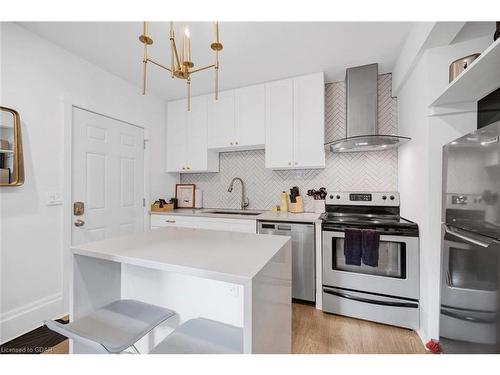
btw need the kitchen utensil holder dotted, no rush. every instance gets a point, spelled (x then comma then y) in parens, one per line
(298, 206)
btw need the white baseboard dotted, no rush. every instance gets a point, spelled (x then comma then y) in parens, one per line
(422, 334)
(21, 320)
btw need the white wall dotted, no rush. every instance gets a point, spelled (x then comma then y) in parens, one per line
(420, 163)
(36, 77)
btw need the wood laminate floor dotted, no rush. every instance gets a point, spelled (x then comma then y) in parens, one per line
(315, 332)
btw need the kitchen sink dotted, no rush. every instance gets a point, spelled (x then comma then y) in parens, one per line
(235, 212)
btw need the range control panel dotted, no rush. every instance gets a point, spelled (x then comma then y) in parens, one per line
(361, 198)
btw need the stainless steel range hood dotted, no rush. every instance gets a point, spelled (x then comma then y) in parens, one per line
(362, 114)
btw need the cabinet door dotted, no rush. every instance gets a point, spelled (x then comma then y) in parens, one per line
(309, 121)
(221, 120)
(250, 116)
(279, 124)
(162, 220)
(197, 135)
(176, 136)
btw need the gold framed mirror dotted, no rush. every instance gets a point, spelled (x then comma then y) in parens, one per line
(11, 150)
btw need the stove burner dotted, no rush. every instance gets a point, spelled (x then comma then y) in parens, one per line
(382, 218)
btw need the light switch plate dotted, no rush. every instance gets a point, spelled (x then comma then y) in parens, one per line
(54, 198)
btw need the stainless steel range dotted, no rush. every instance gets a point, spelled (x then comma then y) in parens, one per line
(385, 291)
(470, 257)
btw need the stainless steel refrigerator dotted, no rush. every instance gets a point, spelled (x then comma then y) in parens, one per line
(470, 264)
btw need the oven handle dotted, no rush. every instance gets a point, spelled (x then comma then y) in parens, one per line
(466, 318)
(459, 234)
(370, 301)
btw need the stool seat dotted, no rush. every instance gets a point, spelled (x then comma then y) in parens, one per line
(202, 336)
(116, 326)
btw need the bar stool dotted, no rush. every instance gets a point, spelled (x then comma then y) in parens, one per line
(202, 336)
(114, 327)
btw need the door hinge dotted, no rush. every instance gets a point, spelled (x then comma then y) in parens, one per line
(144, 144)
(143, 202)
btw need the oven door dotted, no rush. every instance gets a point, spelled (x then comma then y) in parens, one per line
(469, 319)
(470, 271)
(396, 274)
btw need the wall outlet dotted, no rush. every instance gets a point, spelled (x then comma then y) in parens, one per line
(233, 290)
(54, 198)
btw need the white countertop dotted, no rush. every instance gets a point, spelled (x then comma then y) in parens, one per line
(306, 217)
(226, 256)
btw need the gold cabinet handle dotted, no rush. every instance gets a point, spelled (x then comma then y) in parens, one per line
(296, 163)
(188, 168)
(289, 163)
(235, 143)
(183, 168)
(231, 143)
(169, 221)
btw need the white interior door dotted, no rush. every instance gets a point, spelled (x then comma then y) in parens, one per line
(107, 176)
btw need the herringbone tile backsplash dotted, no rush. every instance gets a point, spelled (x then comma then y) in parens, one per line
(365, 171)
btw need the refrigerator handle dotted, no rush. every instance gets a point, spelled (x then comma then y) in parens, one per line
(473, 241)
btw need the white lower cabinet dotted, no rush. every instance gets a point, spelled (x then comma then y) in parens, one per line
(203, 222)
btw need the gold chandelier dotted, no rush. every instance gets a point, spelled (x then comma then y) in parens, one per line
(181, 65)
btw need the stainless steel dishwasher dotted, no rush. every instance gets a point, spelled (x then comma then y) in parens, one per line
(303, 255)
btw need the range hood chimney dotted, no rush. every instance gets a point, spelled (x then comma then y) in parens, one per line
(362, 114)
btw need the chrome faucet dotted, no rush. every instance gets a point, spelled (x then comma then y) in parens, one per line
(244, 200)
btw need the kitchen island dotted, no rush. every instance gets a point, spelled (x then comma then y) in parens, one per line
(235, 278)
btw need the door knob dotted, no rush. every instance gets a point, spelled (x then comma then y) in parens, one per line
(79, 223)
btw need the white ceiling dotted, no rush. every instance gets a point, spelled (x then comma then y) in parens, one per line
(254, 52)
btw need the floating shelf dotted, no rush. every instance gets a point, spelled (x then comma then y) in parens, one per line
(478, 80)
(2, 151)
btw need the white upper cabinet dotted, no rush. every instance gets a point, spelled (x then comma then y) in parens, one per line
(250, 117)
(285, 117)
(279, 124)
(187, 149)
(176, 136)
(237, 120)
(221, 121)
(295, 123)
(309, 121)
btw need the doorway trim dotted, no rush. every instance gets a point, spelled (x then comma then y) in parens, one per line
(68, 103)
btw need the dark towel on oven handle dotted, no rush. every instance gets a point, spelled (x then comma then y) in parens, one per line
(353, 246)
(370, 245)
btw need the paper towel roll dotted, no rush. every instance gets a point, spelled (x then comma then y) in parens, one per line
(198, 198)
